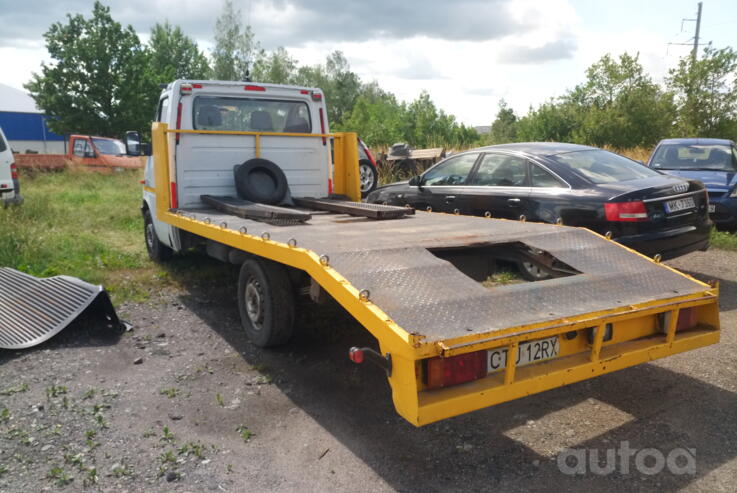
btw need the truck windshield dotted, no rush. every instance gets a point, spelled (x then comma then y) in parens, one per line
(694, 157)
(109, 146)
(600, 166)
(251, 115)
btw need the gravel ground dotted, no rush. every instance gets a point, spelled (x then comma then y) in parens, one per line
(184, 403)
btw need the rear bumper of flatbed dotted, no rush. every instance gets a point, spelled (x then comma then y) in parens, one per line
(413, 322)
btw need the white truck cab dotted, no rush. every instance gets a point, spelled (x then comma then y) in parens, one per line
(203, 164)
(9, 184)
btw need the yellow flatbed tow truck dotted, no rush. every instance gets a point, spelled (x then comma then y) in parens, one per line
(448, 344)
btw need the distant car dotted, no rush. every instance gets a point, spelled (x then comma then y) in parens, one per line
(9, 184)
(367, 168)
(712, 161)
(584, 186)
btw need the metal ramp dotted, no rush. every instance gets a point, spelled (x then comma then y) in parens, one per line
(34, 310)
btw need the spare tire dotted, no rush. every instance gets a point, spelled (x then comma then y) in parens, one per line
(260, 180)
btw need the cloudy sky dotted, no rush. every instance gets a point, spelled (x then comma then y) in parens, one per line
(467, 53)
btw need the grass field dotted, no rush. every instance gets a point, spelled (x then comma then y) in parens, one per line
(89, 226)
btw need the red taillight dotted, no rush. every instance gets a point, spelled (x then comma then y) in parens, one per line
(442, 372)
(686, 318)
(254, 88)
(179, 121)
(322, 126)
(356, 355)
(626, 211)
(330, 186)
(174, 201)
(316, 96)
(13, 171)
(197, 86)
(304, 91)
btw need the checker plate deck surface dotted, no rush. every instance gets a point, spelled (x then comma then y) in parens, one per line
(427, 295)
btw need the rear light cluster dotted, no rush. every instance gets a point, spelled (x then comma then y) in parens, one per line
(443, 372)
(626, 211)
(13, 171)
(254, 88)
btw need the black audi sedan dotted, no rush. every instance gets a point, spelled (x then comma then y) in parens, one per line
(643, 209)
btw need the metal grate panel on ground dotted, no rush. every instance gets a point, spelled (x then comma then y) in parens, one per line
(427, 295)
(33, 310)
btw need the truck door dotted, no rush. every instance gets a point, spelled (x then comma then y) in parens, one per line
(443, 185)
(500, 186)
(82, 151)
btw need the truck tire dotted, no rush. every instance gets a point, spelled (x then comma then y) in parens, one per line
(265, 302)
(157, 251)
(260, 180)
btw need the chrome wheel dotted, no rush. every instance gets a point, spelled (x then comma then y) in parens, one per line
(367, 177)
(254, 302)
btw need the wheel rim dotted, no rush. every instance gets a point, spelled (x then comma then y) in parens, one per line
(534, 270)
(367, 177)
(150, 236)
(254, 303)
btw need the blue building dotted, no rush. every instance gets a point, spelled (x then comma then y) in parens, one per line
(24, 124)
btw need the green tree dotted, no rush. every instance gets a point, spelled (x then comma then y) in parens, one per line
(235, 46)
(98, 81)
(504, 126)
(619, 105)
(276, 67)
(551, 121)
(706, 94)
(175, 56)
(340, 85)
(378, 119)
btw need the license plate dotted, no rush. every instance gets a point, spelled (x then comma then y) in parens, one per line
(680, 205)
(712, 207)
(528, 352)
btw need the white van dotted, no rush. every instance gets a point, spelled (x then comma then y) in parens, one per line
(205, 162)
(9, 185)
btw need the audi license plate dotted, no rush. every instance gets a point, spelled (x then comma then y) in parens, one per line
(529, 352)
(680, 205)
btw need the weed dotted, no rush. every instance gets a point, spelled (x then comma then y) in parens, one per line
(171, 392)
(89, 394)
(149, 433)
(168, 457)
(101, 420)
(75, 460)
(4, 415)
(3, 471)
(60, 476)
(91, 477)
(15, 390)
(230, 468)
(167, 435)
(90, 434)
(501, 278)
(219, 399)
(55, 391)
(244, 432)
(192, 448)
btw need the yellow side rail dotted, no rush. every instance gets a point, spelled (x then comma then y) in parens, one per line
(420, 406)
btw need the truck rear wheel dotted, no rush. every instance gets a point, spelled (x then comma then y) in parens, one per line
(157, 251)
(266, 302)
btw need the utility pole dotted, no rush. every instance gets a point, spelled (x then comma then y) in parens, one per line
(696, 37)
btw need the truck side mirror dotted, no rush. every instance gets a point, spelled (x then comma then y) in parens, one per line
(133, 143)
(145, 148)
(414, 181)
